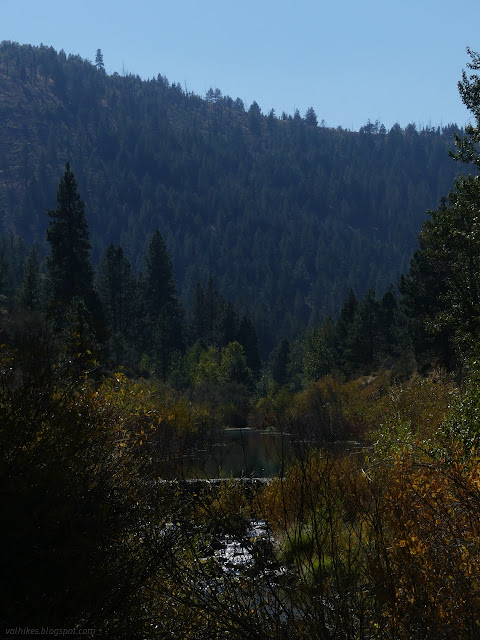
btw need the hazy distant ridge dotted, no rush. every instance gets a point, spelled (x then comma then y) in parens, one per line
(285, 213)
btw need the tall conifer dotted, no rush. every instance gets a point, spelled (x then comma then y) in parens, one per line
(247, 337)
(117, 290)
(197, 315)
(29, 293)
(163, 311)
(70, 273)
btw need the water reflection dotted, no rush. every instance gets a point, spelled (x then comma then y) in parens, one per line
(245, 452)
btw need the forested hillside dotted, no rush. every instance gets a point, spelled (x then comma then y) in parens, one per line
(114, 395)
(285, 213)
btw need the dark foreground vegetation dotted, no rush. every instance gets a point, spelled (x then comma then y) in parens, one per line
(108, 386)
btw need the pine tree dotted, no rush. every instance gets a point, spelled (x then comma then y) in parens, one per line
(72, 301)
(99, 60)
(29, 293)
(164, 316)
(228, 323)
(69, 272)
(197, 316)
(319, 351)
(347, 315)
(311, 117)
(389, 329)
(214, 304)
(423, 290)
(362, 340)
(442, 289)
(280, 360)
(344, 325)
(247, 337)
(160, 287)
(117, 290)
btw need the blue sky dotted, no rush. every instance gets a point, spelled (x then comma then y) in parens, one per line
(351, 60)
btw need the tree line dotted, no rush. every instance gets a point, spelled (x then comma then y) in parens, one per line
(128, 320)
(283, 211)
(138, 322)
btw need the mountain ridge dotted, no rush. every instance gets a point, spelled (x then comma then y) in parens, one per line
(286, 214)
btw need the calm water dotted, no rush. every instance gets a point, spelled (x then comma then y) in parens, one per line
(243, 452)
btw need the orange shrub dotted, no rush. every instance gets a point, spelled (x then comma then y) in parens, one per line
(431, 513)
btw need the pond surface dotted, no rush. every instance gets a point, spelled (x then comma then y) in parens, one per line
(241, 453)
